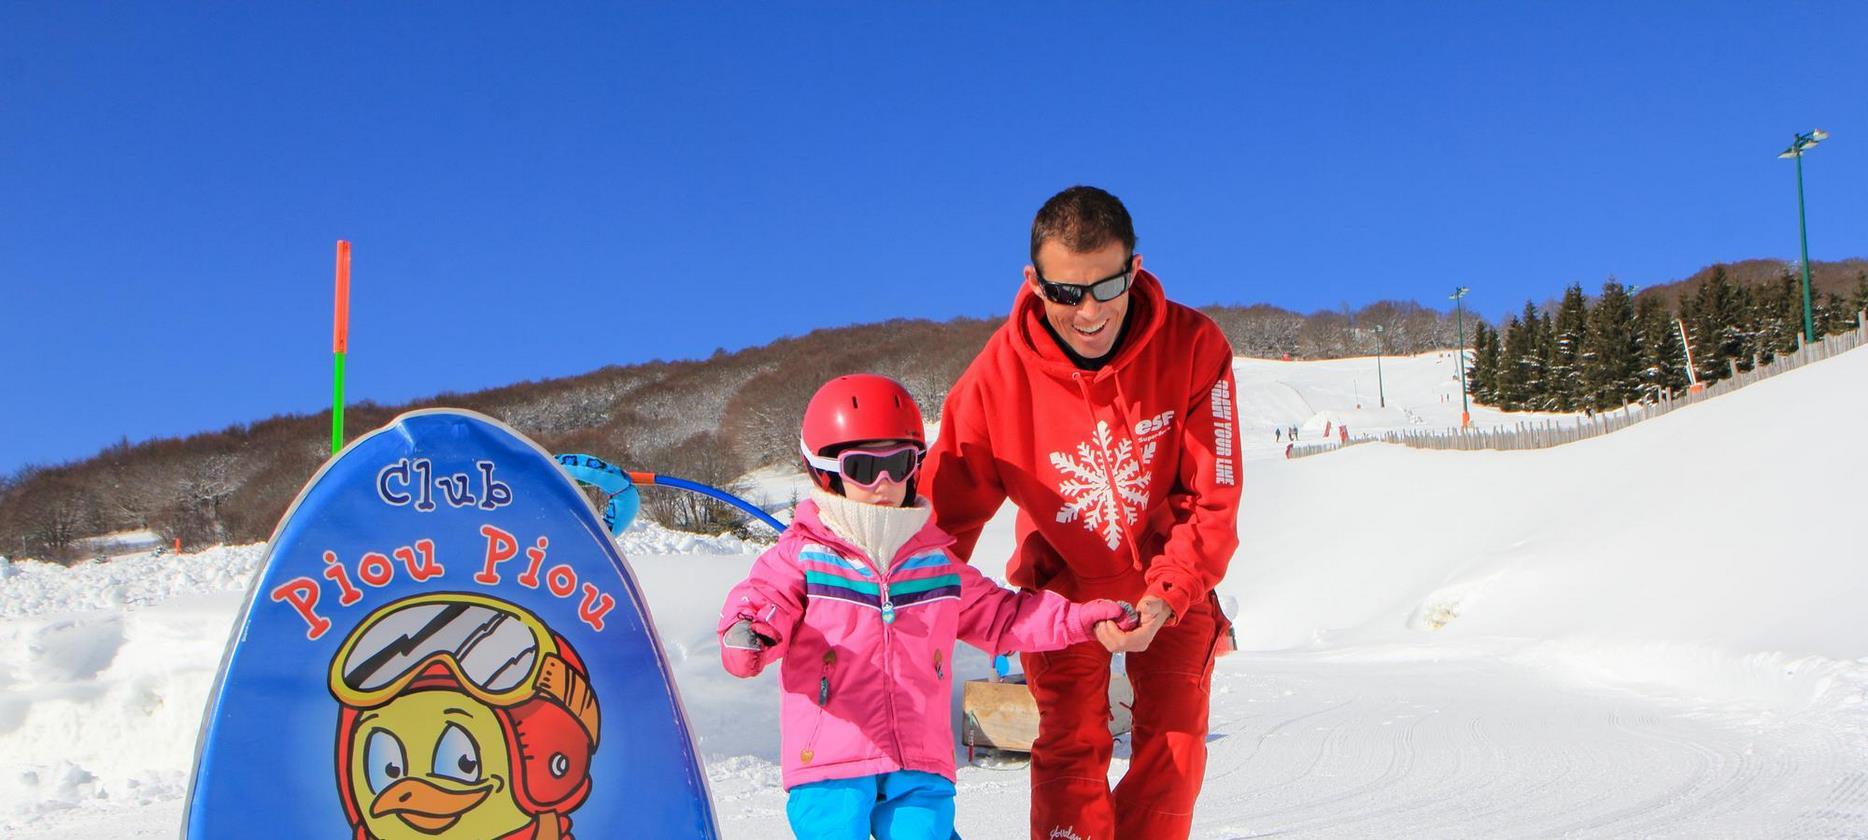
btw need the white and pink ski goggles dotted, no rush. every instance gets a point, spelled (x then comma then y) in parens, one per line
(867, 467)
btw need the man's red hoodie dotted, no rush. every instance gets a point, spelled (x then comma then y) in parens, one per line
(1126, 478)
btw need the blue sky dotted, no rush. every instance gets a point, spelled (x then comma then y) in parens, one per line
(540, 193)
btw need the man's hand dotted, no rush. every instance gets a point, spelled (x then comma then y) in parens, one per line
(742, 648)
(1154, 615)
(1107, 620)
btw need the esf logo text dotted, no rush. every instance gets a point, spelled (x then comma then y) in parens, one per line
(1154, 424)
(415, 482)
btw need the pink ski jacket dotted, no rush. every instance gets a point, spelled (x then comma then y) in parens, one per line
(867, 679)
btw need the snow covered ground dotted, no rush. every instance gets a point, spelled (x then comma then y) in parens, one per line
(1421, 393)
(1657, 632)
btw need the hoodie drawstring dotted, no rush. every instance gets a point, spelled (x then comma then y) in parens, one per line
(1128, 426)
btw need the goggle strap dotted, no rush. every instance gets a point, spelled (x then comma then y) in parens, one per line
(828, 465)
(557, 680)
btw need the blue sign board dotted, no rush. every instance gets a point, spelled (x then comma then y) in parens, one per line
(443, 642)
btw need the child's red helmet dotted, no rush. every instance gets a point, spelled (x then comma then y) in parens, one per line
(856, 408)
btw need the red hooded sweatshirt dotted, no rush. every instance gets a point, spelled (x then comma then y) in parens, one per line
(1126, 478)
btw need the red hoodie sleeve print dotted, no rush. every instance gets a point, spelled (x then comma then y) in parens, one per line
(1204, 504)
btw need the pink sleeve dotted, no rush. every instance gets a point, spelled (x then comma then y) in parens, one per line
(773, 595)
(999, 620)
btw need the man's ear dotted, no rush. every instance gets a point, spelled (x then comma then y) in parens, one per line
(1031, 277)
(1138, 262)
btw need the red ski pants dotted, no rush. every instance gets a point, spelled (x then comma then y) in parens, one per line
(1070, 795)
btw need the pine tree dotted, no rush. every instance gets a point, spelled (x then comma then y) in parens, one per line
(1778, 312)
(1541, 339)
(1509, 387)
(1718, 327)
(1834, 316)
(1565, 390)
(1480, 377)
(1526, 358)
(1492, 341)
(1663, 360)
(1859, 301)
(1611, 352)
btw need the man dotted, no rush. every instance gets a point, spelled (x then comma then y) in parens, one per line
(1104, 413)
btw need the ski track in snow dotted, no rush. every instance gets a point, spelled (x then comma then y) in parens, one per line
(1484, 748)
(1325, 745)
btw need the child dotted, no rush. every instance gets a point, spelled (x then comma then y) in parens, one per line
(863, 601)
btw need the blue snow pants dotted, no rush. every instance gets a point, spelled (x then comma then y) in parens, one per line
(903, 805)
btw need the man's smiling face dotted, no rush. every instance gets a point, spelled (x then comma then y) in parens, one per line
(1089, 327)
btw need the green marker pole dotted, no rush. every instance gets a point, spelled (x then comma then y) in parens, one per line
(340, 343)
(337, 405)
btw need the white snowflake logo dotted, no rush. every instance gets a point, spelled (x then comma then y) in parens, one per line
(1102, 486)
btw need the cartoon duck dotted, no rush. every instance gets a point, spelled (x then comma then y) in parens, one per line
(461, 716)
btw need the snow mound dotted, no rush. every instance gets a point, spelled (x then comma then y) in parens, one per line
(30, 588)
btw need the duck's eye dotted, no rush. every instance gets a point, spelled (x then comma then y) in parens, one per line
(457, 757)
(384, 760)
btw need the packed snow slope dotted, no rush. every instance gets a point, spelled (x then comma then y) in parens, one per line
(1735, 523)
(1652, 633)
(1421, 392)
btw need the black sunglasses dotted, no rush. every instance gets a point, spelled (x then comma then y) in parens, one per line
(1107, 289)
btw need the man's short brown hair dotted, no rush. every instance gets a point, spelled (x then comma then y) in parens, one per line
(1083, 219)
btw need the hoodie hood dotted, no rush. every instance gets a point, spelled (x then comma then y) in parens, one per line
(1147, 310)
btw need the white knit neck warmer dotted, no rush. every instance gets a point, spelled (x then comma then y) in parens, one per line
(879, 530)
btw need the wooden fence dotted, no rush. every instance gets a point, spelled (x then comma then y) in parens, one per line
(1547, 433)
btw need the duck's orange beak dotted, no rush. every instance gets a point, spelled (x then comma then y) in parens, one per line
(425, 806)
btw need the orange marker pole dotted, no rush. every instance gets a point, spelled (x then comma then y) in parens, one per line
(340, 344)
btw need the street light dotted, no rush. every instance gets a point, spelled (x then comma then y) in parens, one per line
(1804, 143)
(1465, 405)
(1378, 366)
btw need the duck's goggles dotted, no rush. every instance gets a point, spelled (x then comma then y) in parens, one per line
(497, 652)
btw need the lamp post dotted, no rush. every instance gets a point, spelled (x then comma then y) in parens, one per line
(1465, 405)
(1803, 143)
(1379, 388)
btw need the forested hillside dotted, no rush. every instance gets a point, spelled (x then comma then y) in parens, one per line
(715, 419)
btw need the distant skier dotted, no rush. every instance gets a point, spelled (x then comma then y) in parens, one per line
(1277, 435)
(866, 739)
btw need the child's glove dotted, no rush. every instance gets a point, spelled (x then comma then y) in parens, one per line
(1094, 612)
(742, 647)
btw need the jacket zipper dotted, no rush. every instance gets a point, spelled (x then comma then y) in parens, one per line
(888, 663)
